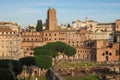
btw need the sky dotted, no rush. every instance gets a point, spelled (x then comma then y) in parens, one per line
(27, 12)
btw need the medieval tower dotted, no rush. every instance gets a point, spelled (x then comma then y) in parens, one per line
(51, 22)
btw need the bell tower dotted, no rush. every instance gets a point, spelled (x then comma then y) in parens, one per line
(51, 22)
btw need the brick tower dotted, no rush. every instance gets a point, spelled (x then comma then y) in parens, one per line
(51, 22)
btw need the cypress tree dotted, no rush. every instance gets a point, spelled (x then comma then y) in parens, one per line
(39, 26)
(68, 25)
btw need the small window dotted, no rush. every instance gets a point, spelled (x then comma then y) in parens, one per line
(103, 54)
(31, 53)
(117, 52)
(110, 54)
(106, 52)
(27, 49)
(117, 26)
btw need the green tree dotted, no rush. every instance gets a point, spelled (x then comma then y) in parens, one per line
(6, 74)
(52, 49)
(43, 61)
(44, 54)
(55, 47)
(13, 65)
(39, 26)
(42, 51)
(27, 61)
(68, 25)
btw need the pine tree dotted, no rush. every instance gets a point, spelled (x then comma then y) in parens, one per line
(39, 26)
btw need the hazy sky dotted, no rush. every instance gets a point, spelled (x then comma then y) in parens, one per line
(27, 12)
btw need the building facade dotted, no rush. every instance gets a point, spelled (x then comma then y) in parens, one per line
(10, 41)
(91, 40)
(94, 26)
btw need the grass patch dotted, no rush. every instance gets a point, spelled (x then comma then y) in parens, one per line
(42, 77)
(78, 64)
(89, 77)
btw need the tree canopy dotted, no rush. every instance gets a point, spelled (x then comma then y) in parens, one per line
(6, 74)
(39, 26)
(9, 69)
(43, 61)
(28, 61)
(55, 47)
(44, 54)
(13, 65)
(68, 25)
